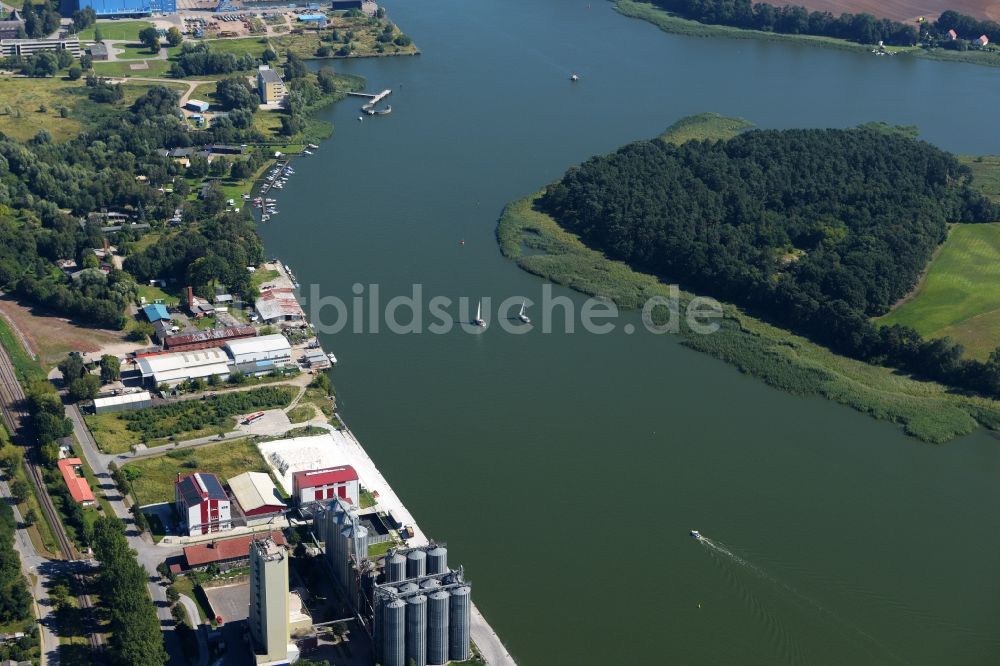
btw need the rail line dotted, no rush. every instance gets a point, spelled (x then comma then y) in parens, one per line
(11, 407)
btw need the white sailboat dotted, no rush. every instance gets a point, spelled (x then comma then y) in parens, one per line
(479, 321)
(523, 317)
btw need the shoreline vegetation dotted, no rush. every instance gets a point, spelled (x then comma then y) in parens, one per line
(927, 410)
(674, 24)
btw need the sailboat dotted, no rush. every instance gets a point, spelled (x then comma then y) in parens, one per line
(479, 321)
(523, 317)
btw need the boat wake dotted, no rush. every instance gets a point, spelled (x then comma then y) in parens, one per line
(726, 553)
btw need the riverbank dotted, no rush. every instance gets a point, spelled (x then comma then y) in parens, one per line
(671, 23)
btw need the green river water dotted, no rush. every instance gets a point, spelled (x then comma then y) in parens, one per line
(565, 470)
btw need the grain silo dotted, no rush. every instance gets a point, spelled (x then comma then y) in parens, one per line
(416, 564)
(459, 617)
(437, 560)
(416, 630)
(437, 627)
(394, 631)
(395, 568)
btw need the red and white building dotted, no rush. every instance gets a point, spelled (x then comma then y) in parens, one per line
(203, 504)
(316, 485)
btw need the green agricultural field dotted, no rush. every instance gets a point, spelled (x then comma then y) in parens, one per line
(153, 478)
(115, 30)
(960, 296)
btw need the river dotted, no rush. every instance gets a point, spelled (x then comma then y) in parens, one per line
(565, 470)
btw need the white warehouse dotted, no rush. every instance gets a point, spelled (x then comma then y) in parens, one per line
(256, 356)
(172, 369)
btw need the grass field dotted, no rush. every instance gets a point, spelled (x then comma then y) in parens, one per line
(960, 296)
(153, 478)
(113, 436)
(21, 100)
(985, 174)
(925, 410)
(254, 46)
(115, 30)
(705, 127)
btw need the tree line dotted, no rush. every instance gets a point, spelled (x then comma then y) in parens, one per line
(136, 638)
(815, 230)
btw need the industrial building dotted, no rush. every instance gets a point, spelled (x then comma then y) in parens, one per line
(202, 503)
(270, 630)
(257, 498)
(270, 87)
(279, 305)
(316, 485)
(177, 367)
(208, 338)
(12, 26)
(121, 403)
(197, 105)
(225, 554)
(24, 47)
(120, 8)
(256, 356)
(422, 611)
(72, 473)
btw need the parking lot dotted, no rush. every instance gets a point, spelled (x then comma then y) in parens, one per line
(232, 602)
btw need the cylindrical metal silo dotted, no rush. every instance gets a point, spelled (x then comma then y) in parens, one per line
(394, 632)
(416, 630)
(319, 522)
(395, 568)
(459, 618)
(416, 563)
(353, 537)
(437, 560)
(437, 627)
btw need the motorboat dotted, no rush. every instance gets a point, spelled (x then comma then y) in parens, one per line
(695, 534)
(574, 77)
(307, 152)
(312, 146)
(523, 317)
(333, 359)
(479, 321)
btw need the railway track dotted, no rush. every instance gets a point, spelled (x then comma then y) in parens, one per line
(14, 415)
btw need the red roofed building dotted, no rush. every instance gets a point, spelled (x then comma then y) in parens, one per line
(952, 35)
(203, 504)
(226, 553)
(72, 473)
(316, 485)
(212, 337)
(983, 40)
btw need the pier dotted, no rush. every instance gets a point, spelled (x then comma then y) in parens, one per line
(369, 106)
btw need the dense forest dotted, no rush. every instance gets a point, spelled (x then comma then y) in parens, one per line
(816, 230)
(796, 20)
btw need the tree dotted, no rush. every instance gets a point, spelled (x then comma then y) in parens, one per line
(84, 388)
(30, 517)
(294, 67)
(98, 35)
(75, 72)
(72, 368)
(110, 368)
(292, 125)
(150, 38)
(174, 37)
(19, 491)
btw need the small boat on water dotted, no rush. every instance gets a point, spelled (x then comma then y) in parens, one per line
(479, 321)
(312, 146)
(695, 534)
(307, 152)
(265, 217)
(333, 359)
(574, 77)
(523, 317)
(361, 119)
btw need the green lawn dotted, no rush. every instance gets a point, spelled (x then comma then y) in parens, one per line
(115, 30)
(985, 174)
(960, 297)
(301, 413)
(157, 69)
(155, 478)
(152, 294)
(705, 126)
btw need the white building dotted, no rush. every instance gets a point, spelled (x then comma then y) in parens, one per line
(315, 485)
(203, 504)
(279, 305)
(269, 626)
(120, 403)
(24, 47)
(172, 369)
(254, 356)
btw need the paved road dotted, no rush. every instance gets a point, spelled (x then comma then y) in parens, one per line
(194, 620)
(35, 565)
(147, 552)
(116, 45)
